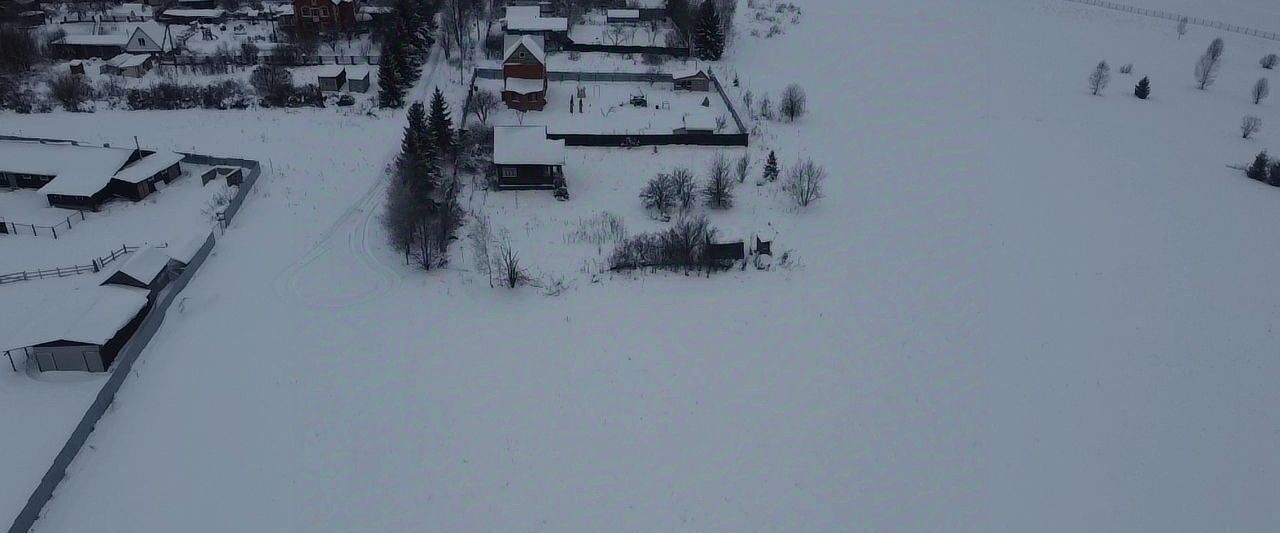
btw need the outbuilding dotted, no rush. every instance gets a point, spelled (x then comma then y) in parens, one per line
(150, 268)
(691, 79)
(145, 176)
(624, 16)
(129, 65)
(331, 78)
(80, 329)
(358, 79)
(524, 158)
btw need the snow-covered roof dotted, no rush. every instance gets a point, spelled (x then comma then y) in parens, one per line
(522, 12)
(357, 73)
(531, 42)
(623, 13)
(26, 157)
(110, 39)
(128, 60)
(145, 264)
(523, 86)
(538, 23)
(286, 9)
(375, 9)
(526, 145)
(148, 166)
(196, 13)
(184, 251)
(699, 121)
(64, 310)
(688, 72)
(331, 71)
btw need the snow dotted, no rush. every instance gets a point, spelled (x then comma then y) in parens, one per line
(623, 13)
(195, 13)
(330, 71)
(526, 145)
(607, 107)
(128, 60)
(688, 72)
(145, 264)
(523, 86)
(148, 166)
(112, 39)
(78, 170)
(1019, 307)
(537, 24)
(523, 12)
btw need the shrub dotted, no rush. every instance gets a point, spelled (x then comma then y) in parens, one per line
(657, 194)
(70, 90)
(274, 84)
(804, 182)
(680, 247)
(1269, 61)
(793, 103)
(1258, 170)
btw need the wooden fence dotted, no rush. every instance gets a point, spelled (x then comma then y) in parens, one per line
(17, 228)
(1157, 13)
(96, 265)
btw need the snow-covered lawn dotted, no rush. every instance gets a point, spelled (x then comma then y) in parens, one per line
(1019, 308)
(607, 108)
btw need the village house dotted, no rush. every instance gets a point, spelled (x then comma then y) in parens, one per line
(83, 177)
(528, 20)
(524, 158)
(136, 41)
(315, 16)
(524, 73)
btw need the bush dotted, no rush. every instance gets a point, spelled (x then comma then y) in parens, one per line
(1269, 61)
(70, 90)
(658, 194)
(804, 182)
(680, 247)
(718, 189)
(274, 84)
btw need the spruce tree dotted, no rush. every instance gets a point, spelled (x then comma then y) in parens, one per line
(390, 84)
(440, 125)
(1258, 170)
(1273, 179)
(1143, 89)
(708, 34)
(771, 167)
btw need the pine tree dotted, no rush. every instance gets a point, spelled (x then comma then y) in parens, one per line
(708, 34)
(405, 67)
(390, 84)
(1143, 89)
(440, 125)
(771, 167)
(1258, 170)
(1273, 179)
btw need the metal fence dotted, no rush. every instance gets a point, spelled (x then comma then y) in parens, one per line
(1157, 13)
(127, 356)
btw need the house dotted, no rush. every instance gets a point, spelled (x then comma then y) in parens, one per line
(315, 16)
(331, 78)
(126, 64)
(149, 268)
(524, 73)
(528, 20)
(83, 177)
(358, 79)
(622, 16)
(197, 4)
(524, 158)
(137, 41)
(545, 7)
(691, 79)
(81, 328)
(187, 16)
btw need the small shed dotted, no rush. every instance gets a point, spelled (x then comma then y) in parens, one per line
(691, 79)
(697, 123)
(524, 158)
(76, 329)
(358, 79)
(144, 176)
(332, 78)
(126, 64)
(149, 268)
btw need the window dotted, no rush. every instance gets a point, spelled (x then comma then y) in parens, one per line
(324, 12)
(508, 172)
(142, 42)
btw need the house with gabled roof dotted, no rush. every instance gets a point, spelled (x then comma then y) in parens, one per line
(524, 72)
(524, 158)
(135, 41)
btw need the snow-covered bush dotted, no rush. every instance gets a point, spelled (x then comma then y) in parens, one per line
(1100, 77)
(1269, 61)
(273, 83)
(680, 247)
(657, 195)
(70, 90)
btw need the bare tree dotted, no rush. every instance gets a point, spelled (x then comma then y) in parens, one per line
(766, 108)
(717, 192)
(1269, 61)
(804, 182)
(1182, 27)
(793, 103)
(70, 90)
(19, 49)
(1100, 78)
(481, 236)
(742, 167)
(658, 194)
(1250, 126)
(482, 102)
(1207, 70)
(1261, 90)
(683, 189)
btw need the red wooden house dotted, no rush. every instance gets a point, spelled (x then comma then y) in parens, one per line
(314, 16)
(524, 73)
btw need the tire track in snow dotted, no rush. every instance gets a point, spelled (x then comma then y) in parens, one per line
(356, 223)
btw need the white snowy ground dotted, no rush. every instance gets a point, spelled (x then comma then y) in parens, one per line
(607, 108)
(1021, 307)
(1258, 14)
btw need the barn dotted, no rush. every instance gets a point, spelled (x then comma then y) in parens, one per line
(524, 158)
(149, 174)
(83, 177)
(79, 329)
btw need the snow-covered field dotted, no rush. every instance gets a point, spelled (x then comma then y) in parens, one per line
(607, 108)
(1020, 307)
